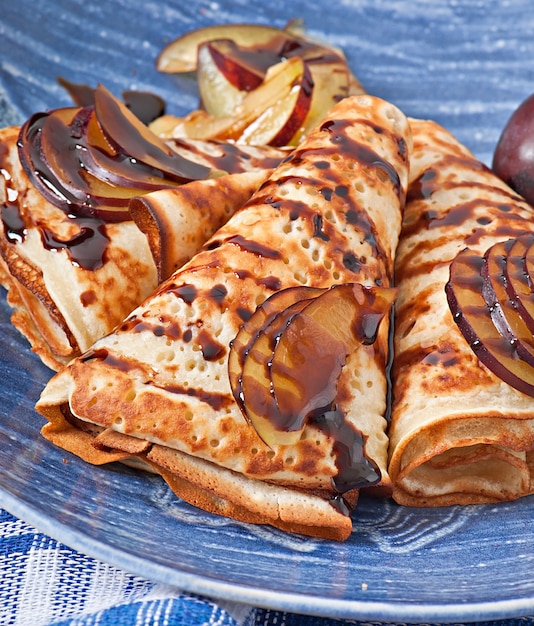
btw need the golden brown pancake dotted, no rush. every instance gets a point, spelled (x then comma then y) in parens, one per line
(72, 279)
(158, 388)
(459, 434)
(177, 222)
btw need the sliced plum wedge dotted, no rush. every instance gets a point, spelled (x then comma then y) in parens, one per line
(472, 314)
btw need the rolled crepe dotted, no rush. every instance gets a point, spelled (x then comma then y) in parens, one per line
(72, 279)
(158, 388)
(177, 222)
(459, 434)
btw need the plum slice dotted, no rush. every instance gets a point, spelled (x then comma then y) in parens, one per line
(281, 123)
(224, 76)
(81, 166)
(114, 167)
(63, 152)
(128, 135)
(254, 113)
(51, 157)
(180, 55)
(519, 285)
(464, 291)
(34, 161)
(258, 396)
(285, 361)
(504, 313)
(312, 350)
(250, 330)
(233, 61)
(68, 177)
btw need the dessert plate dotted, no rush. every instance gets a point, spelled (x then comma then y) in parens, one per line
(467, 65)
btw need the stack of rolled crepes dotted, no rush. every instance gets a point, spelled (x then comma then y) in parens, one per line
(459, 434)
(161, 389)
(254, 377)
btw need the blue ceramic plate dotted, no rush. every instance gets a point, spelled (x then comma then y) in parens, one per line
(466, 64)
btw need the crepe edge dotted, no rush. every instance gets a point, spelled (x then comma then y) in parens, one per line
(197, 481)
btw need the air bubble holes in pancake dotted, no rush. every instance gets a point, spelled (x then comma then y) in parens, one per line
(355, 384)
(130, 395)
(365, 101)
(188, 311)
(92, 402)
(369, 137)
(176, 306)
(300, 277)
(330, 216)
(165, 355)
(359, 186)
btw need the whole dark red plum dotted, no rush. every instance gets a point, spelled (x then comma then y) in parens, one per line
(513, 160)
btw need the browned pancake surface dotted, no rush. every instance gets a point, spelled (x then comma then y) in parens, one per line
(459, 434)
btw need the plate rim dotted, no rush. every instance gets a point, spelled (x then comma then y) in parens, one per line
(292, 602)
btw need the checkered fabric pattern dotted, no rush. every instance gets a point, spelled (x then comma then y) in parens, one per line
(44, 583)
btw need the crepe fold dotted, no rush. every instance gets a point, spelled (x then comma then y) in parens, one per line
(459, 434)
(157, 389)
(177, 222)
(71, 278)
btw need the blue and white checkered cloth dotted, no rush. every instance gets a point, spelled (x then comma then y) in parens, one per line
(45, 583)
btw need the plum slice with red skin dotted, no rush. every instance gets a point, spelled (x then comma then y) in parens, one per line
(35, 163)
(504, 313)
(464, 291)
(127, 134)
(67, 175)
(250, 330)
(286, 360)
(240, 66)
(79, 165)
(115, 167)
(311, 352)
(180, 55)
(259, 400)
(519, 278)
